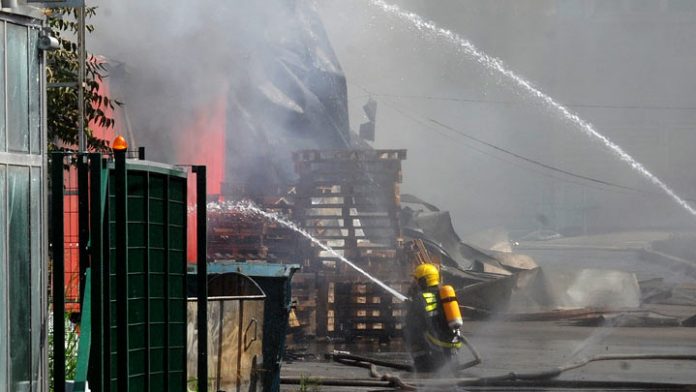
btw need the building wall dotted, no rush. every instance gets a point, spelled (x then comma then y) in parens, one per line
(22, 207)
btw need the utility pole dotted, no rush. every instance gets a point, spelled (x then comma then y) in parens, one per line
(81, 77)
(79, 5)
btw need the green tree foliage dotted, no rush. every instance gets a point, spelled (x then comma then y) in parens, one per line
(63, 67)
(72, 339)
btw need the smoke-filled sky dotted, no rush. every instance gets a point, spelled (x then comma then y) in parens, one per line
(172, 61)
(625, 66)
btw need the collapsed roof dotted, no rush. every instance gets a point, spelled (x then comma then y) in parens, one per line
(293, 98)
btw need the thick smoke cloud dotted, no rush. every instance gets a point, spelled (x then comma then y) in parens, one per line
(170, 61)
(236, 86)
(624, 66)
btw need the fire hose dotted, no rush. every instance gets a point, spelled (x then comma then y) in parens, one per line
(386, 380)
(472, 349)
(555, 372)
(340, 356)
(371, 364)
(503, 379)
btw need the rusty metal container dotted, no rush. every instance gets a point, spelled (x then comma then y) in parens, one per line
(248, 308)
(235, 329)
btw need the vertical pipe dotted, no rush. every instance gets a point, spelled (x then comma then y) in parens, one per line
(202, 276)
(121, 218)
(83, 218)
(57, 240)
(44, 237)
(98, 344)
(141, 153)
(81, 77)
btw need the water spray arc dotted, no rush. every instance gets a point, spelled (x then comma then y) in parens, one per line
(248, 208)
(496, 65)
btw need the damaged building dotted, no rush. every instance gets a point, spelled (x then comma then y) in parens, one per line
(276, 133)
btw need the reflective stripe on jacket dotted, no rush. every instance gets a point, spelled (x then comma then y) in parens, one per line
(430, 302)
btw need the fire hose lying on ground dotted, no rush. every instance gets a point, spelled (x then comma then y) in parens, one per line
(545, 377)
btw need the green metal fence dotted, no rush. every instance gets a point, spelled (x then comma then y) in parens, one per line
(156, 273)
(135, 288)
(135, 297)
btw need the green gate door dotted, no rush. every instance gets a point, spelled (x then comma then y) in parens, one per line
(156, 275)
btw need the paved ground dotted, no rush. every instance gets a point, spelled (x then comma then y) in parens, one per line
(529, 346)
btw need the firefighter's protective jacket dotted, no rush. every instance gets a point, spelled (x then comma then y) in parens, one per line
(431, 341)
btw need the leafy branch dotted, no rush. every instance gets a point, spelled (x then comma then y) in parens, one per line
(63, 68)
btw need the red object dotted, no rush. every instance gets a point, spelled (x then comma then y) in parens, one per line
(203, 143)
(99, 131)
(119, 144)
(70, 220)
(71, 242)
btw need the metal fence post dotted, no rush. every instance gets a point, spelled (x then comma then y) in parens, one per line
(121, 219)
(99, 345)
(106, 274)
(202, 276)
(57, 240)
(83, 218)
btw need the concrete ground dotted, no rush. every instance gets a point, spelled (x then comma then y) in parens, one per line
(531, 346)
(536, 345)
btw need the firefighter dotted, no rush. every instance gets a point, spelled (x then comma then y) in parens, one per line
(433, 339)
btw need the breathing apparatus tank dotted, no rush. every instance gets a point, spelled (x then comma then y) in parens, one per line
(448, 298)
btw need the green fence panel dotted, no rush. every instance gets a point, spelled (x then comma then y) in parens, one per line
(156, 225)
(83, 352)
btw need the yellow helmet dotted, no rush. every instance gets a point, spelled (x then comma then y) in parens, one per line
(427, 272)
